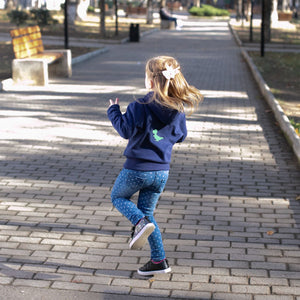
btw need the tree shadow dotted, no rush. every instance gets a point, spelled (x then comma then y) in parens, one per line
(233, 180)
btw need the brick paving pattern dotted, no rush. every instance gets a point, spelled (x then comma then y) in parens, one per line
(229, 215)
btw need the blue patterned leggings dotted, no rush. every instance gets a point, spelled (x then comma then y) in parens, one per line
(150, 185)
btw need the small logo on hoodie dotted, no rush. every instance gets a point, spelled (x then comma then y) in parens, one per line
(156, 136)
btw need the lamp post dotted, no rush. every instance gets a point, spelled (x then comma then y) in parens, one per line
(251, 21)
(66, 25)
(262, 30)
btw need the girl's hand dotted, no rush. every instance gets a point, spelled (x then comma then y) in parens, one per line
(111, 102)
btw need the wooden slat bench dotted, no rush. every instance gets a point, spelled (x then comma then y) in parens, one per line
(32, 64)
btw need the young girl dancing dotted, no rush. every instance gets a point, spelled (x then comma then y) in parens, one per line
(152, 124)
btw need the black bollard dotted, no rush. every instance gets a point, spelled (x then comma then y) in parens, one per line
(134, 33)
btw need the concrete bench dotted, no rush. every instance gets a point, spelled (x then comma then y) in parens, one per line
(167, 24)
(32, 64)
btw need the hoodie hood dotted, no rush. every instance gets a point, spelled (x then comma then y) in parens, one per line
(164, 114)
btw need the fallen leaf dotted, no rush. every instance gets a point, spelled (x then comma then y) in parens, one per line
(298, 198)
(270, 232)
(76, 281)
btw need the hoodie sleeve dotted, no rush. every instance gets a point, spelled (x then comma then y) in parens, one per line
(182, 128)
(125, 124)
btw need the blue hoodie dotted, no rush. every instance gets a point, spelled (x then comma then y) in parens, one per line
(152, 130)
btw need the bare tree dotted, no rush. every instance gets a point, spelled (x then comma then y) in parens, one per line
(116, 17)
(267, 17)
(149, 12)
(285, 5)
(274, 13)
(239, 8)
(81, 10)
(10, 4)
(163, 3)
(198, 3)
(102, 19)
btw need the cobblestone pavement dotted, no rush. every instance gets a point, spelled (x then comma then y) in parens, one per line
(229, 214)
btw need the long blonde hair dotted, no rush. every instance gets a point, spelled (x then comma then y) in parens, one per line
(174, 93)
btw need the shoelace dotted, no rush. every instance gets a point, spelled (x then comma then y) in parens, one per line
(148, 265)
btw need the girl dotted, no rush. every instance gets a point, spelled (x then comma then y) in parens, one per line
(152, 124)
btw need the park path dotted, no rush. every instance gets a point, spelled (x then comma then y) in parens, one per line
(229, 215)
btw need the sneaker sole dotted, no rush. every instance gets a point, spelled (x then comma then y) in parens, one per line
(140, 240)
(149, 273)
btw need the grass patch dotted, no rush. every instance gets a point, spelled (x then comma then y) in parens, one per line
(281, 72)
(278, 35)
(296, 126)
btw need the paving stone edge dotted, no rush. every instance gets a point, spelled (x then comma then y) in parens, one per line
(88, 55)
(283, 121)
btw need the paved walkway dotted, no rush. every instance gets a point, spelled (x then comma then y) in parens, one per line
(229, 215)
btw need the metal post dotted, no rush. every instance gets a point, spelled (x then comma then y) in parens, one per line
(262, 31)
(116, 16)
(66, 25)
(251, 21)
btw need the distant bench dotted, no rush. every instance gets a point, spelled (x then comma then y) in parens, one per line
(167, 24)
(32, 64)
(167, 21)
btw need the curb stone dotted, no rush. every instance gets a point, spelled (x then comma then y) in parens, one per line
(236, 38)
(88, 55)
(284, 122)
(285, 125)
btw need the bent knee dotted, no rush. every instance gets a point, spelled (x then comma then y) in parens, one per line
(113, 198)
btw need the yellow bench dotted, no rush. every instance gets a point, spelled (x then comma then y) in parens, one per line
(32, 64)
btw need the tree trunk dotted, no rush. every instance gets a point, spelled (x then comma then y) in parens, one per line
(10, 5)
(149, 12)
(116, 18)
(81, 10)
(248, 9)
(285, 5)
(274, 14)
(102, 19)
(267, 17)
(163, 3)
(72, 5)
(239, 10)
(198, 3)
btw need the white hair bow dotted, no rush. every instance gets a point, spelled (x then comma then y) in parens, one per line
(170, 72)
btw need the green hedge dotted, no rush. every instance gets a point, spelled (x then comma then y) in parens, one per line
(40, 16)
(18, 16)
(208, 11)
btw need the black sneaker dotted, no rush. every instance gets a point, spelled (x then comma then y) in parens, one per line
(151, 268)
(141, 233)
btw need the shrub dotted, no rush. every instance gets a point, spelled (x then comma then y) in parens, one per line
(91, 9)
(208, 11)
(42, 16)
(18, 16)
